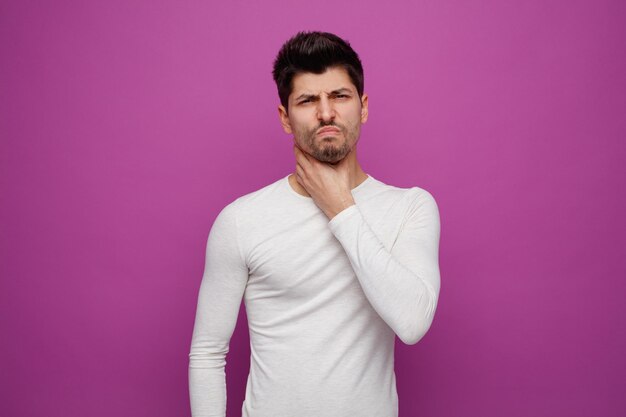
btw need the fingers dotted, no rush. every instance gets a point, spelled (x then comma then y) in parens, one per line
(299, 171)
(303, 168)
(301, 157)
(299, 180)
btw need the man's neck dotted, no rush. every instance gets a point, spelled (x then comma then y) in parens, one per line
(359, 177)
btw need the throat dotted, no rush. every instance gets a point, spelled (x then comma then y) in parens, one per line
(297, 187)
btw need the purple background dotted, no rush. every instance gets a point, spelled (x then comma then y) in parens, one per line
(126, 126)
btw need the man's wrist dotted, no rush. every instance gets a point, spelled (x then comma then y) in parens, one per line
(345, 203)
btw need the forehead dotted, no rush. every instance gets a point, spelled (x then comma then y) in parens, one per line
(333, 79)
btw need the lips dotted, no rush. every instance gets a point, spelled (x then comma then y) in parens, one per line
(328, 130)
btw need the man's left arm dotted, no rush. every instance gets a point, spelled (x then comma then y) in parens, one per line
(402, 284)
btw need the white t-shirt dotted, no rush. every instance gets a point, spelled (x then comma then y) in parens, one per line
(324, 300)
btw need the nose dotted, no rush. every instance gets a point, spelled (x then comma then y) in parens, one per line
(325, 110)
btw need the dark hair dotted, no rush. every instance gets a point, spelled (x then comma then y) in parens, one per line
(314, 52)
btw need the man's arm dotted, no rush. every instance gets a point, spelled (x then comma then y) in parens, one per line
(402, 285)
(222, 287)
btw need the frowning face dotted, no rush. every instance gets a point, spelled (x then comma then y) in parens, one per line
(325, 114)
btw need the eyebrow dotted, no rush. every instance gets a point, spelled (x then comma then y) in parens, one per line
(334, 92)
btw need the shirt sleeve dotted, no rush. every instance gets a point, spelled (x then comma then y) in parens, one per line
(402, 284)
(219, 299)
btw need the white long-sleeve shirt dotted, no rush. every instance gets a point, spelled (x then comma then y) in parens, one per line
(323, 299)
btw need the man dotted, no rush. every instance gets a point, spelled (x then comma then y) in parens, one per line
(331, 263)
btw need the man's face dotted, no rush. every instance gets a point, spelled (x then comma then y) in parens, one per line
(325, 114)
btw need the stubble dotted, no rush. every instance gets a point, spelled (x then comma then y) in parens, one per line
(334, 147)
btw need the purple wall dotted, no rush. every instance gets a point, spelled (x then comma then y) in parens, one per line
(126, 126)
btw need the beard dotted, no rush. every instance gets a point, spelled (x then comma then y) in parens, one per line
(331, 148)
(327, 151)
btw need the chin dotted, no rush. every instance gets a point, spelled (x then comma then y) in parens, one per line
(331, 159)
(331, 154)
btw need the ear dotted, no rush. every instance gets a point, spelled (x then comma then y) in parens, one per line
(284, 119)
(364, 110)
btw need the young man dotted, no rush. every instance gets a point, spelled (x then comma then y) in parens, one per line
(331, 263)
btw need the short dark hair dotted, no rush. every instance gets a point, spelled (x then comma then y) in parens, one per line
(314, 52)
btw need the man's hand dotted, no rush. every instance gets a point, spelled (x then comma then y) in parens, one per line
(328, 185)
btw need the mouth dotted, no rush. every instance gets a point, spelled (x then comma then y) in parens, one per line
(328, 131)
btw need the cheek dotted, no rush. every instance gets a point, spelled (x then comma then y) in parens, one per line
(353, 126)
(302, 125)
(299, 116)
(353, 120)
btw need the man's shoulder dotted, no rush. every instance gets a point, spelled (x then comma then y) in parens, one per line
(392, 203)
(262, 195)
(257, 199)
(380, 189)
